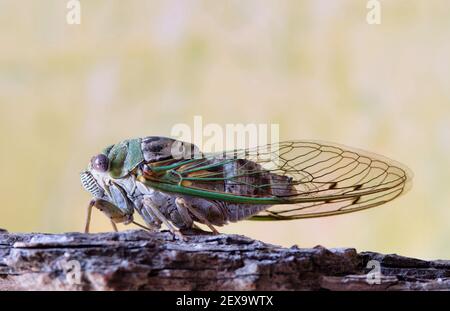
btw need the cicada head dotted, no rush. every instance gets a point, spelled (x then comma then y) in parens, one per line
(111, 197)
(92, 178)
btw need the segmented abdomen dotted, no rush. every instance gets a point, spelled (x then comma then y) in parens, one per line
(240, 177)
(235, 212)
(244, 177)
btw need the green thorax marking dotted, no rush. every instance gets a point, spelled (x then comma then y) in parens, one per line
(124, 157)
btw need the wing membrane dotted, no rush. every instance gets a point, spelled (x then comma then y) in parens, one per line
(314, 178)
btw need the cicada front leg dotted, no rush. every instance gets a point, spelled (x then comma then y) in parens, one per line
(115, 214)
(88, 215)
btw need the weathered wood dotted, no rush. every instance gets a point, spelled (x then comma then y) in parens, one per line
(139, 260)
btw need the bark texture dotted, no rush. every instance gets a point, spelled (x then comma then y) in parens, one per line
(139, 260)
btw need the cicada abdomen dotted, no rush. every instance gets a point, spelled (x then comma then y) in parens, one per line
(241, 175)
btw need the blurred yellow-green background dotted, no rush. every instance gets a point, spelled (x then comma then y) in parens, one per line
(316, 68)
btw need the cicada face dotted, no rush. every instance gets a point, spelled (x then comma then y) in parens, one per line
(110, 197)
(94, 178)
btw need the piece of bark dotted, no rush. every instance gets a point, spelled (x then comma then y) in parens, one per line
(139, 260)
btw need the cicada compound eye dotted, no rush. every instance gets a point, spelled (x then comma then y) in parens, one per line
(100, 163)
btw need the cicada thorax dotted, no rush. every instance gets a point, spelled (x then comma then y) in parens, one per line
(162, 150)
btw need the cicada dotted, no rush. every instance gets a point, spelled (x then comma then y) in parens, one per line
(170, 182)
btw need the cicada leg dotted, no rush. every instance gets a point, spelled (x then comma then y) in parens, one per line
(88, 216)
(148, 203)
(142, 226)
(184, 206)
(133, 222)
(183, 212)
(115, 214)
(113, 224)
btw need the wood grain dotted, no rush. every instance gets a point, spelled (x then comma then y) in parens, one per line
(139, 260)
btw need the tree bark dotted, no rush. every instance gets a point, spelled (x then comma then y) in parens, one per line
(139, 260)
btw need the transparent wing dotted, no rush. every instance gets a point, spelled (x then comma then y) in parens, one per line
(314, 178)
